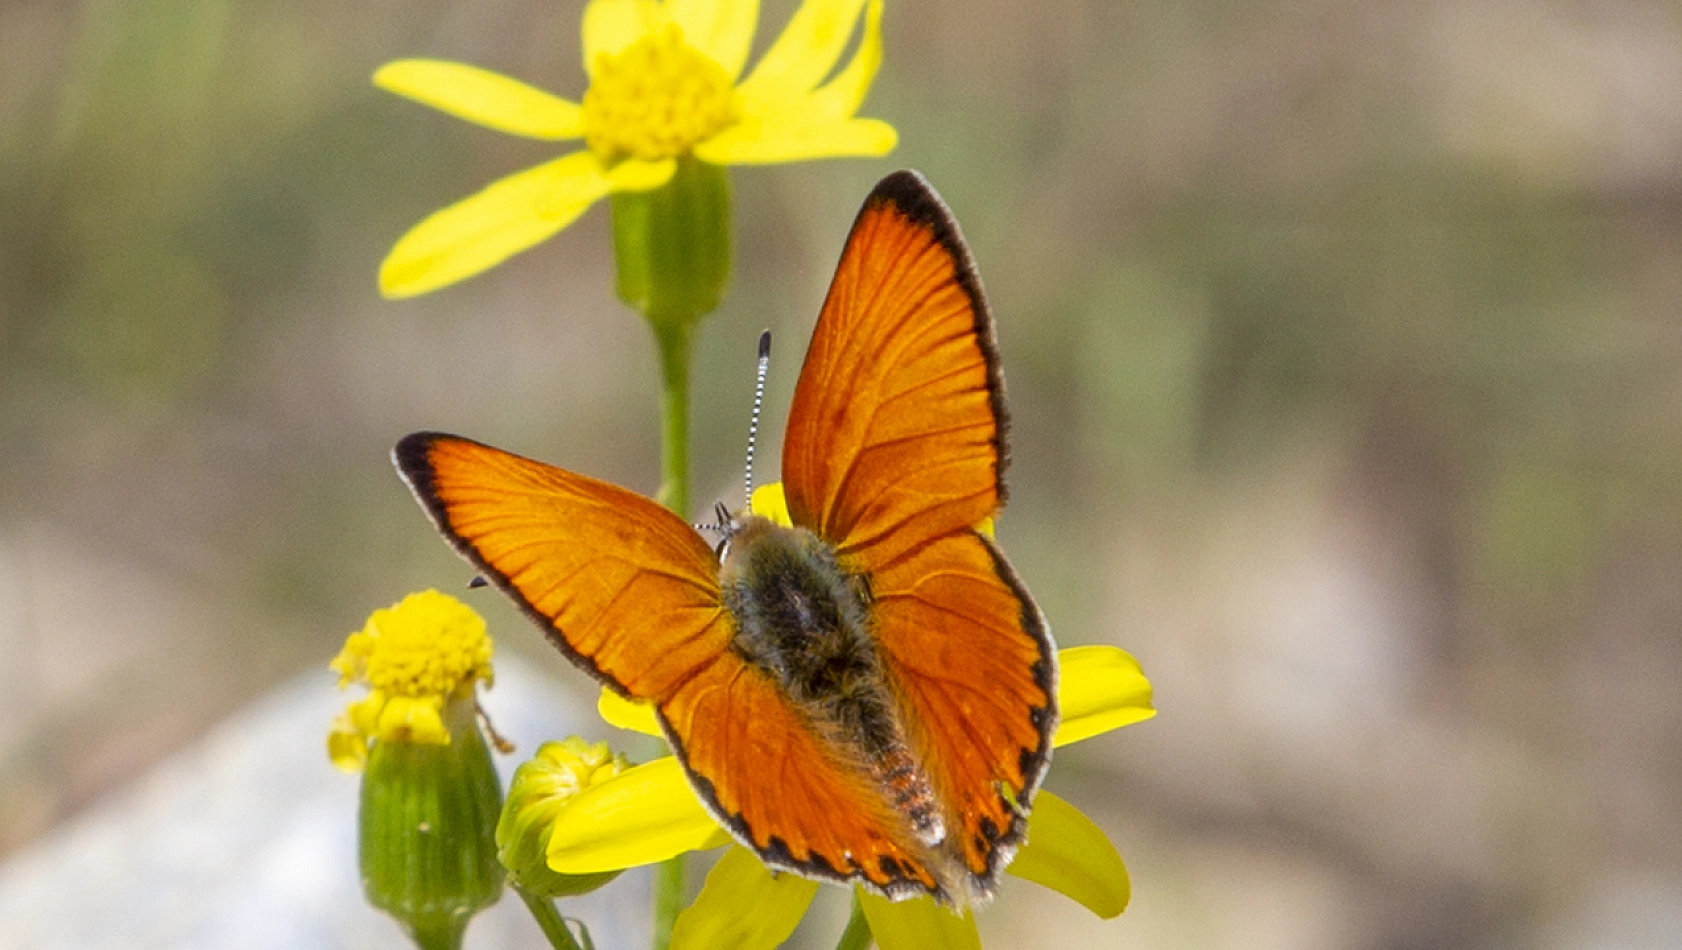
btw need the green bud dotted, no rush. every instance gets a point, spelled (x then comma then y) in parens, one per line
(428, 822)
(541, 788)
(672, 244)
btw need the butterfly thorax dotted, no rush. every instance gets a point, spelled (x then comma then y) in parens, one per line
(804, 618)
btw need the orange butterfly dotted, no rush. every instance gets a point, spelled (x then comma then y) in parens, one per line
(867, 697)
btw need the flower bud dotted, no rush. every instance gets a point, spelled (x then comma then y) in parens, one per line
(541, 788)
(428, 829)
(430, 795)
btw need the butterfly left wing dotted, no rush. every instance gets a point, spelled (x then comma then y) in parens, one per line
(625, 588)
(895, 452)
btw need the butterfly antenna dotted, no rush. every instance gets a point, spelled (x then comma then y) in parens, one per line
(758, 401)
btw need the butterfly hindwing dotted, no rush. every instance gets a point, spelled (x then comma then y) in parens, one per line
(895, 451)
(779, 786)
(970, 657)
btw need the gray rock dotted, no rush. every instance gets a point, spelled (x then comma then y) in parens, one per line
(248, 839)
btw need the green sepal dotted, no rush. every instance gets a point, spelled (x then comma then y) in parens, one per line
(428, 830)
(672, 245)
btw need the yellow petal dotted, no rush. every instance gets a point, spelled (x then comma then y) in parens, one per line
(722, 29)
(1099, 688)
(413, 719)
(789, 136)
(842, 96)
(347, 746)
(616, 710)
(636, 174)
(479, 95)
(805, 52)
(1069, 854)
(743, 906)
(612, 25)
(918, 924)
(640, 816)
(364, 714)
(487, 228)
(768, 501)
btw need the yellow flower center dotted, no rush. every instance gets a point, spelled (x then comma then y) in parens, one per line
(430, 644)
(656, 99)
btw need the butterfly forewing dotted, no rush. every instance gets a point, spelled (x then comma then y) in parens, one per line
(899, 410)
(894, 453)
(624, 587)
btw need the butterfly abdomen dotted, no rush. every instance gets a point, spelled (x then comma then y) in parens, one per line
(804, 619)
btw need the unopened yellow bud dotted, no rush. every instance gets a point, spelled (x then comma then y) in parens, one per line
(541, 789)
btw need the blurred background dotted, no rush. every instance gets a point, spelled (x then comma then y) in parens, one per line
(1343, 350)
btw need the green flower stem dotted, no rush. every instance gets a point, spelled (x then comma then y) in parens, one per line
(671, 252)
(669, 880)
(674, 339)
(554, 927)
(437, 931)
(857, 935)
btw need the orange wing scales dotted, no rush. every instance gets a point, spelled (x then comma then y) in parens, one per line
(771, 780)
(900, 405)
(624, 587)
(973, 661)
(896, 449)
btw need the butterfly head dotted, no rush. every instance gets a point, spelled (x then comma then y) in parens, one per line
(726, 525)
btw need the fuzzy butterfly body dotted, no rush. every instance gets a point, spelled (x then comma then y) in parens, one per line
(866, 696)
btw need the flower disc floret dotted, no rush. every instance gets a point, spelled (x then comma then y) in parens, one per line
(415, 656)
(656, 99)
(429, 644)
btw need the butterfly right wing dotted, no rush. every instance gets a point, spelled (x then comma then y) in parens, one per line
(898, 429)
(630, 594)
(895, 453)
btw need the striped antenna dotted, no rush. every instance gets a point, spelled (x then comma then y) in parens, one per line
(758, 400)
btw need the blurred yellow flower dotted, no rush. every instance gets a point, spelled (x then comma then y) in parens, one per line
(414, 657)
(665, 84)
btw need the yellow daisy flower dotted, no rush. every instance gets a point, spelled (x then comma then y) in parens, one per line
(665, 84)
(648, 813)
(415, 657)
(426, 821)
